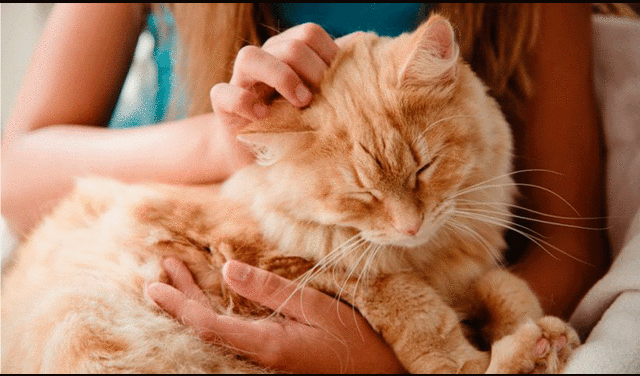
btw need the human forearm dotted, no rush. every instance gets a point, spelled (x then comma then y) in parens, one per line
(39, 166)
(559, 280)
(563, 142)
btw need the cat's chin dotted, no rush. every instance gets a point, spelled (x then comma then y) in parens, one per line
(405, 242)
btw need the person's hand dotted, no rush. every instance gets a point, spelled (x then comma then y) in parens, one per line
(288, 63)
(320, 334)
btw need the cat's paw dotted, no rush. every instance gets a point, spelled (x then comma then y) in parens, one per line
(535, 347)
(558, 342)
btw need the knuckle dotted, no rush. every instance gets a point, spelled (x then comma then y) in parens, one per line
(293, 51)
(273, 40)
(215, 92)
(245, 54)
(231, 100)
(217, 95)
(185, 313)
(310, 31)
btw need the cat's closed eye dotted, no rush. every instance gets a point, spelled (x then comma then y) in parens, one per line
(427, 166)
(424, 168)
(368, 196)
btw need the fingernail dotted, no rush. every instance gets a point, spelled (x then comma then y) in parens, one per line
(169, 264)
(236, 271)
(260, 110)
(303, 94)
(152, 290)
(151, 286)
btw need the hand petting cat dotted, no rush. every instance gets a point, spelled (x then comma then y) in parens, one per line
(288, 64)
(321, 333)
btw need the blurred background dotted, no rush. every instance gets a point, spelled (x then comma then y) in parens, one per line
(20, 26)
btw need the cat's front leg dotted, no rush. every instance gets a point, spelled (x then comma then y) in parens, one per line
(507, 301)
(523, 341)
(535, 347)
(424, 332)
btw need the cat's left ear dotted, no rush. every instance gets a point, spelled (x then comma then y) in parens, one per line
(269, 148)
(432, 53)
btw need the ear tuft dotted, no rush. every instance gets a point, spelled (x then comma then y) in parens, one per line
(433, 53)
(258, 143)
(280, 133)
(269, 148)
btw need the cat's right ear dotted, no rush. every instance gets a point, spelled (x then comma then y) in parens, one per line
(432, 54)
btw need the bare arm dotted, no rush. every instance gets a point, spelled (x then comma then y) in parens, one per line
(56, 131)
(39, 166)
(563, 135)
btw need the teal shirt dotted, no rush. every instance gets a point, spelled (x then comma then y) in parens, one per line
(155, 90)
(338, 19)
(152, 85)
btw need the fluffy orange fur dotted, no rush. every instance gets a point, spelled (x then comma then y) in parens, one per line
(392, 189)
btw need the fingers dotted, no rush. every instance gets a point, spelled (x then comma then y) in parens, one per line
(326, 334)
(287, 345)
(247, 337)
(236, 101)
(254, 65)
(312, 35)
(285, 63)
(306, 305)
(182, 279)
(188, 311)
(307, 64)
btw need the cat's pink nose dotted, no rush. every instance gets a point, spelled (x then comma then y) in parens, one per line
(410, 229)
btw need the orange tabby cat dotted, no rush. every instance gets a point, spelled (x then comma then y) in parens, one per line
(391, 191)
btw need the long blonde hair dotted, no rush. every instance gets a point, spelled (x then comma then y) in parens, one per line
(494, 38)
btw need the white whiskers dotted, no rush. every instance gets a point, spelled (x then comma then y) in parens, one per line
(514, 227)
(494, 253)
(331, 260)
(499, 213)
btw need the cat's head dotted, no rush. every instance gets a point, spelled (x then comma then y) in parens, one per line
(397, 130)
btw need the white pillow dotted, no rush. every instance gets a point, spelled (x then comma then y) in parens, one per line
(617, 84)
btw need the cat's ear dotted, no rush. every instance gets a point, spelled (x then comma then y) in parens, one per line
(432, 53)
(271, 147)
(281, 133)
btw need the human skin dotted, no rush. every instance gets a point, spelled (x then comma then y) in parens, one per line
(57, 129)
(563, 136)
(320, 335)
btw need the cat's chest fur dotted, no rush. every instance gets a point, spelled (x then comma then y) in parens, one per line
(449, 267)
